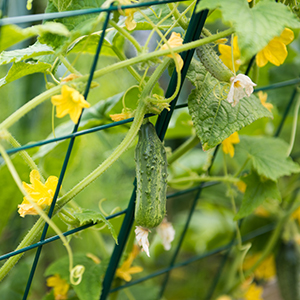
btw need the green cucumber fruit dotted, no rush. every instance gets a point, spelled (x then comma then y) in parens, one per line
(288, 270)
(151, 175)
(213, 64)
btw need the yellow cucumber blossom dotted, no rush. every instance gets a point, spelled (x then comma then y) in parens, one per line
(60, 287)
(253, 292)
(41, 194)
(129, 22)
(263, 98)
(125, 271)
(141, 235)
(227, 144)
(175, 40)
(69, 102)
(266, 270)
(275, 52)
(241, 86)
(226, 56)
(126, 114)
(166, 232)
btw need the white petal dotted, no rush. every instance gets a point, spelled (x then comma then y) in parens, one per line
(244, 88)
(167, 233)
(142, 238)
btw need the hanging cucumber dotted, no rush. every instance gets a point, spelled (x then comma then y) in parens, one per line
(151, 175)
(288, 270)
(213, 64)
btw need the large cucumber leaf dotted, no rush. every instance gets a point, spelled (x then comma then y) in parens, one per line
(256, 193)
(268, 156)
(213, 117)
(255, 26)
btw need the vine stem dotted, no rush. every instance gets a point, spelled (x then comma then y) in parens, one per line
(122, 64)
(137, 122)
(294, 128)
(178, 17)
(127, 35)
(228, 179)
(185, 147)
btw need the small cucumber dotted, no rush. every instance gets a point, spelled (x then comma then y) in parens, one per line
(213, 64)
(288, 270)
(151, 175)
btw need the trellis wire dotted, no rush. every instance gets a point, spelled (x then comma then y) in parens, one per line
(193, 32)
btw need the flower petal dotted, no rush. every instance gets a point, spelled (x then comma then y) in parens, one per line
(261, 60)
(142, 238)
(286, 36)
(275, 52)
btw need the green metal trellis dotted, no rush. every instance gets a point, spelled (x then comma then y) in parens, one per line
(195, 27)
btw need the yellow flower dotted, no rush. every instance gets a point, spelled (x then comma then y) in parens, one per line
(296, 214)
(263, 98)
(241, 186)
(261, 212)
(41, 194)
(275, 52)
(69, 102)
(174, 41)
(253, 292)
(60, 287)
(226, 57)
(266, 270)
(129, 22)
(126, 114)
(70, 77)
(227, 144)
(224, 297)
(125, 271)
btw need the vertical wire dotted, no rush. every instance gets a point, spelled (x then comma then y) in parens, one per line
(66, 160)
(193, 32)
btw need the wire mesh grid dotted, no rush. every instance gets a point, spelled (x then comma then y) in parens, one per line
(193, 32)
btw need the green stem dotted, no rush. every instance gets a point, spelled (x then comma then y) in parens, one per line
(68, 65)
(122, 57)
(27, 158)
(185, 147)
(294, 128)
(205, 179)
(178, 16)
(127, 35)
(18, 114)
(242, 168)
(143, 57)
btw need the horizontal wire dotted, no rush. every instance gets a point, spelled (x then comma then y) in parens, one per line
(106, 126)
(75, 230)
(73, 13)
(247, 237)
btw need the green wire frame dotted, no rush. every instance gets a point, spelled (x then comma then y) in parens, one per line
(193, 32)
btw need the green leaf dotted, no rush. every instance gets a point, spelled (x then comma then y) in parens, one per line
(21, 69)
(90, 286)
(87, 216)
(256, 193)
(255, 26)
(26, 53)
(62, 5)
(213, 117)
(268, 156)
(12, 34)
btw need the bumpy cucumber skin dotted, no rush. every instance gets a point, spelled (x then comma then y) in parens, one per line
(213, 64)
(151, 175)
(288, 270)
